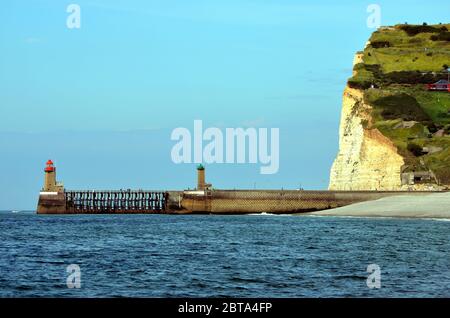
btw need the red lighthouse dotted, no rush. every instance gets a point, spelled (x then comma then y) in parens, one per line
(50, 167)
(50, 184)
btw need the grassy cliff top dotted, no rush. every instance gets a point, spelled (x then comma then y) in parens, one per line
(410, 48)
(396, 64)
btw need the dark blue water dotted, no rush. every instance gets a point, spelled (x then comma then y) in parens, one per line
(203, 256)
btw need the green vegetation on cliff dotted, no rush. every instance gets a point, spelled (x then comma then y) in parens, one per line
(397, 63)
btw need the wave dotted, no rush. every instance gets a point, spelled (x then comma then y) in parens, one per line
(440, 219)
(268, 214)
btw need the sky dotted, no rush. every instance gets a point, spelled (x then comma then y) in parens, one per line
(102, 100)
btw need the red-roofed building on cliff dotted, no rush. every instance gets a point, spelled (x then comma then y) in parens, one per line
(440, 86)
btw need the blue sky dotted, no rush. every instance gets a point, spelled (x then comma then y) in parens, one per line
(102, 100)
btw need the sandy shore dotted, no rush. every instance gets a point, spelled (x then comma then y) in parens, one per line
(436, 205)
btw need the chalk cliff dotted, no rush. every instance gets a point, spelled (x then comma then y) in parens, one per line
(381, 126)
(366, 158)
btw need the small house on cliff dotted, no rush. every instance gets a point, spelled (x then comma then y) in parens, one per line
(441, 85)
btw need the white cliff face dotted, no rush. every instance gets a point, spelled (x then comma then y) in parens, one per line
(367, 160)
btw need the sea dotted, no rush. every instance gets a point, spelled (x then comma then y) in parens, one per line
(222, 256)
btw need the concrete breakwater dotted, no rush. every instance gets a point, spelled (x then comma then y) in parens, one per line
(203, 202)
(55, 199)
(269, 201)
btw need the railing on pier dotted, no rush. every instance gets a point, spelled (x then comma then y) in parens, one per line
(122, 201)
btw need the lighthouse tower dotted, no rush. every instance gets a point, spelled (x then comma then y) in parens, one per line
(201, 183)
(201, 177)
(51, 197)
(50, 184)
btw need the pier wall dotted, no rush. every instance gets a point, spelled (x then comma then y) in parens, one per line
(52, 203)
(277, 201)
(204, 202)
